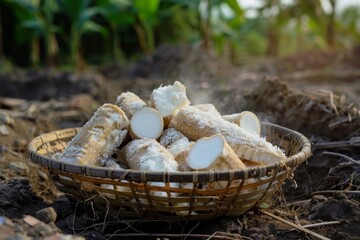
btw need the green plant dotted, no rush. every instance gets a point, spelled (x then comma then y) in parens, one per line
(81, 16)
(146, 12)
(349, 26)
(37, 18)
(117, 13)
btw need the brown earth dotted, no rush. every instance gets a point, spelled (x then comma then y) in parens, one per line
(318, 95)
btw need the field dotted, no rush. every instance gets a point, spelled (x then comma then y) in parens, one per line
(315, 93)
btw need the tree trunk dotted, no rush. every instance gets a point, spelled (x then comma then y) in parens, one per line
(273, 42)
(116, 50)
(330, 31)
(205, 27)
(2, 57)
(35, 52)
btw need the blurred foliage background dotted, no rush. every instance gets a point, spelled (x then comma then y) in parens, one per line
(78, 33)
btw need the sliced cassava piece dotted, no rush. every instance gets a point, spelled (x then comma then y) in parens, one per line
(146, 123)
(196, 124)
(98, 138)
(148, 155)
(246, 120)
(130, 103)
(169, 99)
(174, 141)
(213, 153)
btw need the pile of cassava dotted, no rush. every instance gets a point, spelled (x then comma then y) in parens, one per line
(169, 134)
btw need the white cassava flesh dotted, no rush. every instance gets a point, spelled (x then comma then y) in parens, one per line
(98, 138)
(213, 153)
(174, 141)
(196, 124)
(146, 123)
(246, 120)
(169, 99)
(148, 155)
(130, 103)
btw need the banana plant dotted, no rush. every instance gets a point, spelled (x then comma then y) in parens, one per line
(36, 17)
(81, 16)
(117, 13)
(348, 25)
(146, 12)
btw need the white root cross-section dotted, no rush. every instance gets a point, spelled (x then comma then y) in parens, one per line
(213, 153)
(246, 120)
(146, 123)
(130, 103)
(196, 124)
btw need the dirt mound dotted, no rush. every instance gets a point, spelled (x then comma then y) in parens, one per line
(323, 114)
(48, 84)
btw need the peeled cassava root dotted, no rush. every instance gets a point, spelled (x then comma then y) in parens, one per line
(98, 138)
(169, 99)
(174, 141)
(246, 120)
(130, 103)
(213, 153)
(196, 124)
(148, 155)
(145, 122)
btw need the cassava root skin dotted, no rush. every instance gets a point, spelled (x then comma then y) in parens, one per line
(246, 120)
(130, 103)
(148, 155)
(174, 141)
(209, 108)
(98, 138)
(196, 124)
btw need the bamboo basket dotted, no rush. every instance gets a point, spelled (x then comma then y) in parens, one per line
(130, 193)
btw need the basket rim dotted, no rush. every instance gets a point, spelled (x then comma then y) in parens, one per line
(159, 176)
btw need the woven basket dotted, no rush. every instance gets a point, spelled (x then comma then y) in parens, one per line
(175, 195)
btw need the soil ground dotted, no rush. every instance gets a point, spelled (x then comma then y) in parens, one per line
(315, 93)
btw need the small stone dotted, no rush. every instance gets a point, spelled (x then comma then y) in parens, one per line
(31, 221)
(18, 167)
(3, 130)
(6, 221)
(46, 215)
(2, 220)
(44, 229)
(6, 232)
(20, 144)
(58, 236)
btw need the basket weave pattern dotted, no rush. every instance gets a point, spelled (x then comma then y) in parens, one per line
(177, 195)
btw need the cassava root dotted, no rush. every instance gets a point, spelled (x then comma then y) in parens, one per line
(98, 138)
(196, 124)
